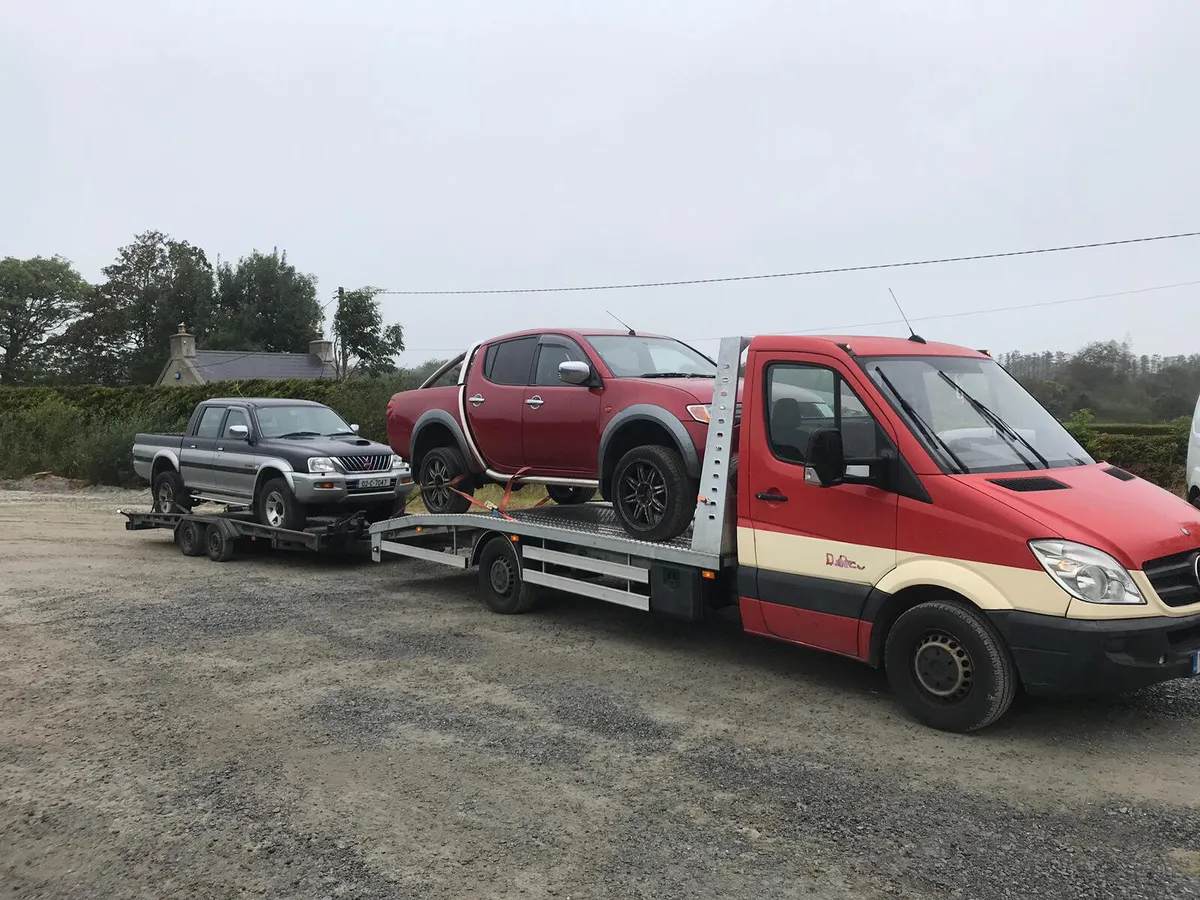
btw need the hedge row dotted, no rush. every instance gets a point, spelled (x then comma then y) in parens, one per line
(87, 432)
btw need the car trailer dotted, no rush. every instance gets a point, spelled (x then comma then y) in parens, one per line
(219, 535)
(582, 549)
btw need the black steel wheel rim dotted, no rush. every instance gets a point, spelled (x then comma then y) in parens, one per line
(213, 540)
(942, 666)
(437, 484)
(642, 493)
(501, 576)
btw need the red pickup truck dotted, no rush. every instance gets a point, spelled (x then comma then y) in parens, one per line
(579, 411)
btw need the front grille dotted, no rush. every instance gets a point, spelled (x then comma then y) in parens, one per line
(1175, 578)
(366, 463)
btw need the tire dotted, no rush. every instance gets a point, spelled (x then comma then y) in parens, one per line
(949, 667)
(652, 496)
(277, 506)
(169, 493)
(440, 466)
(569, 496)
(190, 538)
(217, 544)
(501, 586)
(1196, 498)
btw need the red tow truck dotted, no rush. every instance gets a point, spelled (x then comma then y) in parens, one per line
(904, 503)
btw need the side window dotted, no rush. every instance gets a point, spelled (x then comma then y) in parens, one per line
(210, 422)
(549, 358)
(509, 362)
(235, 417)
(802, 398)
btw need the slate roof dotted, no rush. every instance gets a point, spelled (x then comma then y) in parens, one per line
(229, 365)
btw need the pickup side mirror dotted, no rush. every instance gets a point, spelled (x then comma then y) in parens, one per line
(239, 432)
(573, 372)
(354, 428)
(826, 459)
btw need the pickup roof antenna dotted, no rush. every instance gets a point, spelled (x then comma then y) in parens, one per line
(912, 335)
(632, 333)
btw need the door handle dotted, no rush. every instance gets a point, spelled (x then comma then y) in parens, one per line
(477, 399)
(535, 401)
(771, 497)
(191, 446)
(220, 449)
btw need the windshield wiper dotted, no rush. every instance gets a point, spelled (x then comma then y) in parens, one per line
(338, 433)
(296, 434)
(675, 375)
(930, 435)
(997, 423)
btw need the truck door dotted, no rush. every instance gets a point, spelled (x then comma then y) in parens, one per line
(495, 400)
(819, 550)
(197, 451)
(560, 423)
(235, 464)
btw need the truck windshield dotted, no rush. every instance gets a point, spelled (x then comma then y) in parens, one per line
(300, 422)
(631, 356)
(972, 416)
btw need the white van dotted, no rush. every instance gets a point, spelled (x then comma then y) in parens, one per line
(1193, 459)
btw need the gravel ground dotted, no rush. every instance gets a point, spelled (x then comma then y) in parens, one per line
(291, 727)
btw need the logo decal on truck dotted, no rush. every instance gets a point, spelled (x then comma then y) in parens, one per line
(841, 562)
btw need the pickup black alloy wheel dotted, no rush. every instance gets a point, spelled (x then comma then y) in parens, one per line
(218, 544)
(170, 495)
(438, 469)
(500, 583)
(652, 495)
(569, 496)
(190, 538)
(949, 667)
(278, 506)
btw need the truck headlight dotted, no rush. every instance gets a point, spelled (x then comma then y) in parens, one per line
(321, 464)
(397, 462)
(1086, 573)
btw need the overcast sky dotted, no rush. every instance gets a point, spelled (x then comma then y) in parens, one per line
(534, 143)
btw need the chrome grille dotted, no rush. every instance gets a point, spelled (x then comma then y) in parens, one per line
(366, 463)
(1176, 578)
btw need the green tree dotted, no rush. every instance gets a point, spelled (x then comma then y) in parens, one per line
(154, 284)
(362, 344)
(38, 298)
(264, 303)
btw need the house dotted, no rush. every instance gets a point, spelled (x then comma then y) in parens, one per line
(187, 365)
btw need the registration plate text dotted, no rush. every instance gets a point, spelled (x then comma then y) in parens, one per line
(365, 483)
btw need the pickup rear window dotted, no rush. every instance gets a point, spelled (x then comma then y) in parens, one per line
(210, 422)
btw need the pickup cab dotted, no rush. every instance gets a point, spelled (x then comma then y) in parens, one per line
(287, 459)
(580, 411)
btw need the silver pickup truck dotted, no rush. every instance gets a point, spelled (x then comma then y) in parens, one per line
(287, 459)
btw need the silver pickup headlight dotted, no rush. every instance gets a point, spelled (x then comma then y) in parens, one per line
(1086, 573)
(321, 465)
(397, 462)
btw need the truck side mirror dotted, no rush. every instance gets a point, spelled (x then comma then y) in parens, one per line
(573, 372)
(239, 432)
(826, 460)
(354, 428)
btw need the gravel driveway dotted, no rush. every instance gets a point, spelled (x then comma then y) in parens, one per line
(286, 726)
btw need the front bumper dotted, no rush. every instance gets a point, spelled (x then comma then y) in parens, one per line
(1057, 656)
(353, 491)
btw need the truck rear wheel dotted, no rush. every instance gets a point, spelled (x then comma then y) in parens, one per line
(170, 494)
(439, 468)
(500, 583)
(949, 667)
(569, 496)
(652, 496)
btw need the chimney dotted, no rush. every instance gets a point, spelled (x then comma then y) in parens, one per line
(322, 350)
(182, 343)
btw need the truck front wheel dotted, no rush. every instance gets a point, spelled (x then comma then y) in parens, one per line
(949, 667)
(440, 467)
(278, 507)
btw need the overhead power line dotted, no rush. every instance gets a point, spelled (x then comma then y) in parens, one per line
(829, 271)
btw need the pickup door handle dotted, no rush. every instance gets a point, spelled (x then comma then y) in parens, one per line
(477, 399)
(770, 497)
(534, 401)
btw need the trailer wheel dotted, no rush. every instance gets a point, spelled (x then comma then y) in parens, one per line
(569, 496)
(652, 496)
(439, 468)
(218, 544)
(190, 538)
(500, 582)
(949, 667)
(169, 493)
